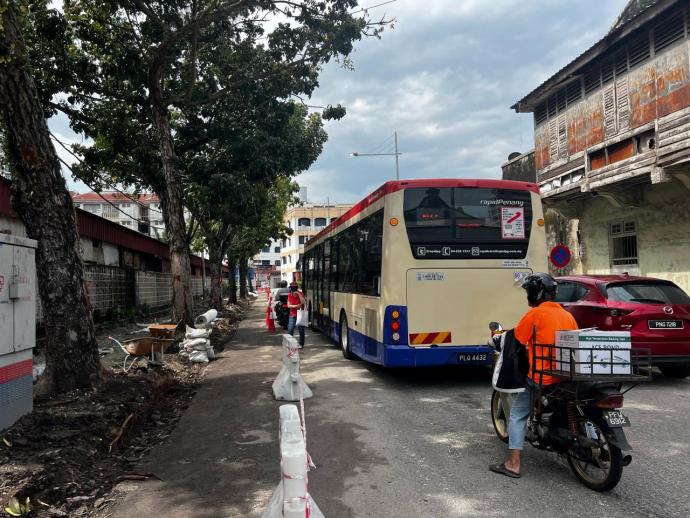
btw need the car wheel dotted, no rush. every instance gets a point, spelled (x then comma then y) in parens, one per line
(345, 338)
(675, 371)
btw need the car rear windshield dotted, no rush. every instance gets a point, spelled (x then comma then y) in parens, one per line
(468, 222)
(647, 293)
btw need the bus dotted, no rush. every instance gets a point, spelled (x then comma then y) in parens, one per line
(413, 274)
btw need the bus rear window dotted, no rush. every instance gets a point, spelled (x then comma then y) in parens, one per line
(468, 222)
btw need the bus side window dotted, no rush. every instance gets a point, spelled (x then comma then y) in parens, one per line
(377, 285)
(335, 262)
(371, 253)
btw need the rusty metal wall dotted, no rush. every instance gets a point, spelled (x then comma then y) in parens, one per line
(656, 89)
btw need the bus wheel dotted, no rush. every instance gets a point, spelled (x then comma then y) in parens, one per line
(345, 338)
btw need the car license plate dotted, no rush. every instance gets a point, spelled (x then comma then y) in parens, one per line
(615, 418)
(473, 358)
(665, 324)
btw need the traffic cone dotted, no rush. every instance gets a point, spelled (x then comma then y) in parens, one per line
(270, 324)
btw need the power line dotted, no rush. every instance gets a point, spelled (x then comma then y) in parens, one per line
(373, 6)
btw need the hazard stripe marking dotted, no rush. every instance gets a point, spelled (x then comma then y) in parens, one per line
(439, 337)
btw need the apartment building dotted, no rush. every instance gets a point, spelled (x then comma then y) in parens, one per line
(267, 265)
(306, 221)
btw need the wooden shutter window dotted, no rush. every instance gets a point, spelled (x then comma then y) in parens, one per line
(623, 104)
(553, 139)
(562, 137)
(610, 110)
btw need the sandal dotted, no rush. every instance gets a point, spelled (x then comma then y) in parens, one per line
(501, 469)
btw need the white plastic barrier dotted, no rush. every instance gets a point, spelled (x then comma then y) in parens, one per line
(291, 498)
(289, 385)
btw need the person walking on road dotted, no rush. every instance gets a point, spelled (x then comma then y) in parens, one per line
(544, 319)
(295, 301)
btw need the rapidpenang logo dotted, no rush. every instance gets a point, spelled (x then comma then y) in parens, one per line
(508, 203)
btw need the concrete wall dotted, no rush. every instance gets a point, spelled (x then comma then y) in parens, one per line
(663, 234)
(521, 168)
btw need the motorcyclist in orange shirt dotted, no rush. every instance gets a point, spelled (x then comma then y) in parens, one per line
(544, 319)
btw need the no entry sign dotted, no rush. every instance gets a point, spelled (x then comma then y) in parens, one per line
(560, 256)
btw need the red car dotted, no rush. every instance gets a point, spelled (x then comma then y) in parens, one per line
(655, 311)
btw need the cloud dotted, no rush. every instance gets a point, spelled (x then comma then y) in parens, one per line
(445, 78)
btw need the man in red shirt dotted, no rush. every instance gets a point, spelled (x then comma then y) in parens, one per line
(295, 301)
(546, 317)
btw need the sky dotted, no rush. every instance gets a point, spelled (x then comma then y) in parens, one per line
(444, 78)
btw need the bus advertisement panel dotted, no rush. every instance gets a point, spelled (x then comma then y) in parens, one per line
(413, 274)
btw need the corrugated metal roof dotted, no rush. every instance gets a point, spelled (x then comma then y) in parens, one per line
(114, 196)
(95, 227)
(631, 12)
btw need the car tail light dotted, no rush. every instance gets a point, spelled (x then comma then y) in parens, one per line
(615, 312)
(612, 401)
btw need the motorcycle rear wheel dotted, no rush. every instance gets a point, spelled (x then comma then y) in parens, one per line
(610, 468)
(498, 417)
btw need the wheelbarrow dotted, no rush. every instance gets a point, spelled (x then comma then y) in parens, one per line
(139, 348)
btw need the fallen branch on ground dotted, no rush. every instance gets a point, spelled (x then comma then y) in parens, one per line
(122, 430)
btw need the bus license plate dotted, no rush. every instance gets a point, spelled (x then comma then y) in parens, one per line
(473, 357)
(616, 419)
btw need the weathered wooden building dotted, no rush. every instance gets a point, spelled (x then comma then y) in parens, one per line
(612, 146)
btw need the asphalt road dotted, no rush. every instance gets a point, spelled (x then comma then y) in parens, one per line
(398, 444)
(418, 443)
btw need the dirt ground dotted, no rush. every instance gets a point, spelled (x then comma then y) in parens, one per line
(70, 451)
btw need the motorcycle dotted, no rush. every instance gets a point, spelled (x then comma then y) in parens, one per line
(580, 420)
(282, 311)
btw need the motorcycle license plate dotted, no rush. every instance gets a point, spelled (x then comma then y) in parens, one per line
(473, 358)
(615, 418)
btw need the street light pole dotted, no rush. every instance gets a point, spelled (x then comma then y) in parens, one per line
(397, 165)
(396, 155)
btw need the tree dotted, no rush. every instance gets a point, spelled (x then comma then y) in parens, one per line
(152, 60)
(237, 162)
(41, 198)
(249, 238)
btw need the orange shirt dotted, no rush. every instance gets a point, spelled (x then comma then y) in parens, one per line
(547, 317)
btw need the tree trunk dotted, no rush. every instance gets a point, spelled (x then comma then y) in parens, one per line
(40, 197)
(243, 278)
(232, 266)
(180, 267)
(216, 262)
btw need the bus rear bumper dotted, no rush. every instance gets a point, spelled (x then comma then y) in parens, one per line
(406, 356)
(394, 355)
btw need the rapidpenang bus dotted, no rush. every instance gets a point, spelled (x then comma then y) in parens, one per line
(413, 274)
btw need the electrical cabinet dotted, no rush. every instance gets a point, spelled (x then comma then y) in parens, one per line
(18, 296)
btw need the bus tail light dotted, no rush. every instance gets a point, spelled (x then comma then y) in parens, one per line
(395, 325)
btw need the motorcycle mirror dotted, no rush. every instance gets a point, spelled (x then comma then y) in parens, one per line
(495, 326)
